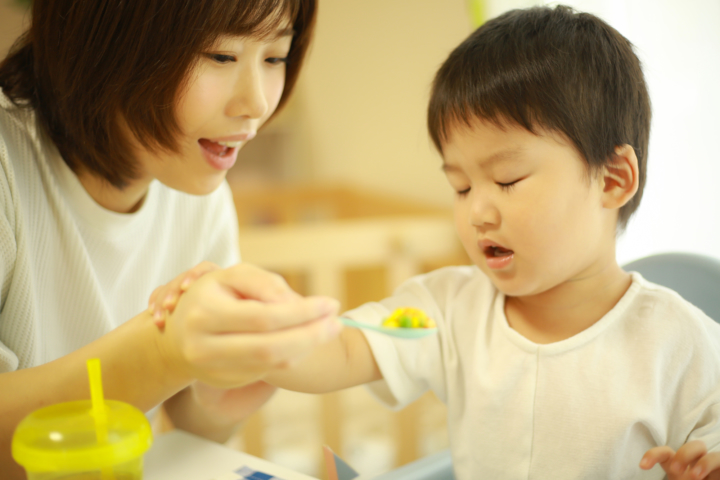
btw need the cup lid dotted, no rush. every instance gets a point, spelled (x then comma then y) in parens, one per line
(63, 437)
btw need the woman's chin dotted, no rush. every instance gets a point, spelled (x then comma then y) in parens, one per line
(197, 186)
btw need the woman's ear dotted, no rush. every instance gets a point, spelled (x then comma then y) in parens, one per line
(620, 177)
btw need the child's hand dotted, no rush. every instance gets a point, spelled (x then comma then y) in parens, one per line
(164, 298)
(234, 325)
(690, 462)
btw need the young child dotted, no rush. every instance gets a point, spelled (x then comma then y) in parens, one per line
(553, 361)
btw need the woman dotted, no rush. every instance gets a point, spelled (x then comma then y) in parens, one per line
(118, 123)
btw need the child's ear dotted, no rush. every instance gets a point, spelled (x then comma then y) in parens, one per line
(620, 177)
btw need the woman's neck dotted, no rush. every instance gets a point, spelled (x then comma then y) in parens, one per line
(126, 200)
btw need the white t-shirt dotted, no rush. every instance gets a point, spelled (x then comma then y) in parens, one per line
(646, 374)
(71, 270)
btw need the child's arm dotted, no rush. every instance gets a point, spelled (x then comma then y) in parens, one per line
(691, 462)
(344, 362)
(341, 363)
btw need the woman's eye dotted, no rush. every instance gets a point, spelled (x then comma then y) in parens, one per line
(276, 60)
(221, 58)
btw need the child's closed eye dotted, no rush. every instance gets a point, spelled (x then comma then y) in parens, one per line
(507, 186)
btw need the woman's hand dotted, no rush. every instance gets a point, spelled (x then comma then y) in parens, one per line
(232, 405)
(232, 326)
(215, 413)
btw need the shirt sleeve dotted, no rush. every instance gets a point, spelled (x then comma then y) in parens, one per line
(409, 367)
(8, 254)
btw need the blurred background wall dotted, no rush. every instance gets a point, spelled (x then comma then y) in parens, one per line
(360, 106)
(678, 43)
(358, 117)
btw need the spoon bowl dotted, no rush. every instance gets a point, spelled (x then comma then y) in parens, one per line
(393, 332)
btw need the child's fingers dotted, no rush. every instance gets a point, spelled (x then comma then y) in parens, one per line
(708, 466)
(166, 296)
(189, 277)
(255, 283)
(229, 315)
(153, 298)
(662, 455)
(686, 456)
(272, 349)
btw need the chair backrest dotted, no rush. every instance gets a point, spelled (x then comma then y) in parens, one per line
(695, 277)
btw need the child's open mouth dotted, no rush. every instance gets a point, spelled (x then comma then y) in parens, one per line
(220, 155)
(498, 257)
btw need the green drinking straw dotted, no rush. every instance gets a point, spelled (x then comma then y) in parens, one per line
(99, 411)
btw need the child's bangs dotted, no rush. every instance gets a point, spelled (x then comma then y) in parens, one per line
(497, 93)
(259, 19)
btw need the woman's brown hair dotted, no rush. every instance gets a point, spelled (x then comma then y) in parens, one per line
(85, 64)
(552, 68)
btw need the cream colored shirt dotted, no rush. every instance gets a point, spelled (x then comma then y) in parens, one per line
(646, 374)
(72, 271)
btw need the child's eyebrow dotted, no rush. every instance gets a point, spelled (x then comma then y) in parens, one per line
(501, 156)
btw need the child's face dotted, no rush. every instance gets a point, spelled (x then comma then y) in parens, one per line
(234, 89)
(526, 209)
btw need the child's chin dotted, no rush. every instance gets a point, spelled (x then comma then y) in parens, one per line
(513, 287)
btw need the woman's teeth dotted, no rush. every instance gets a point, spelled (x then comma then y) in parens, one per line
(229, 144)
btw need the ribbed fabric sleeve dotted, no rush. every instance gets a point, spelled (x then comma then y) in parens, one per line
(72, 271)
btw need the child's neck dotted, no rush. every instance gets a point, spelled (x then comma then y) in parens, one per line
(569, 308)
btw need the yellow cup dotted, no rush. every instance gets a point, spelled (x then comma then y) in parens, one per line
(61, 442)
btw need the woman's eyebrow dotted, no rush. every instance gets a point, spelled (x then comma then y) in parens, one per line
(284, 32)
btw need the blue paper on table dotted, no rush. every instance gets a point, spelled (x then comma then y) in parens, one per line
(247, 473)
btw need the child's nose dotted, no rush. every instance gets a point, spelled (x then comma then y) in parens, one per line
(483, 212)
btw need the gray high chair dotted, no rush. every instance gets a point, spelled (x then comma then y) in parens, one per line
(695, 277)
(437, 466)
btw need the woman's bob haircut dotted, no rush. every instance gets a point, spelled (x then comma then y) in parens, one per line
(88, 67)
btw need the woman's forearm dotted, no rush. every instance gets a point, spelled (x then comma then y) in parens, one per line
(215, 413)
(134, 370)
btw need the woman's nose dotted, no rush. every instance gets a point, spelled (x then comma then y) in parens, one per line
(249, 98)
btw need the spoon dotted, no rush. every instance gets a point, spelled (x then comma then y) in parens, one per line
(393, 332)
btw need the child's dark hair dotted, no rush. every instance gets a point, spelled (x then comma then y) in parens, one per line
(86, 64)
(552, 68)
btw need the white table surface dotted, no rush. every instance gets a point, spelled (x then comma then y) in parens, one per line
(178, 455)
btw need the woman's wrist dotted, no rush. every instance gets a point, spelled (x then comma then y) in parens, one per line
(166, 356)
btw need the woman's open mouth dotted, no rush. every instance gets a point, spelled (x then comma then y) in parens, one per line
(220, 155)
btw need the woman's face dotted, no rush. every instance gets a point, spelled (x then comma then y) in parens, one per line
(233, 90)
